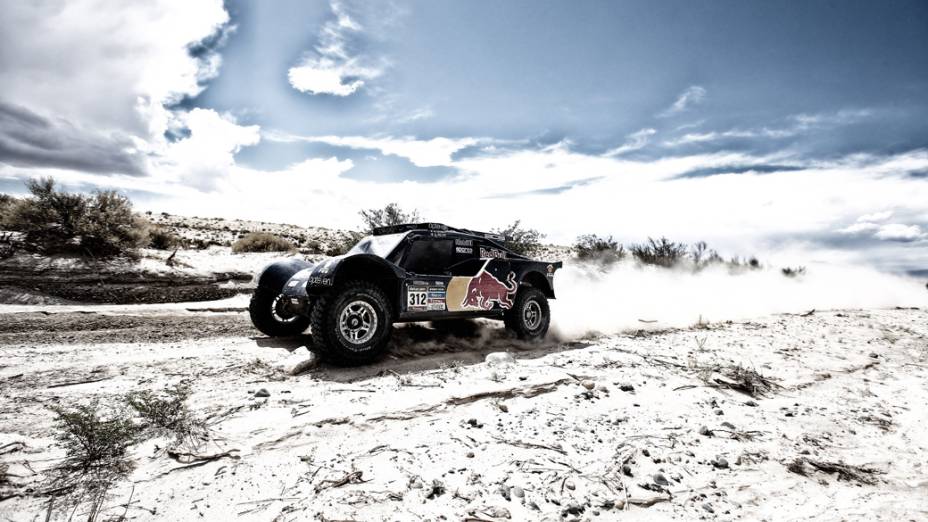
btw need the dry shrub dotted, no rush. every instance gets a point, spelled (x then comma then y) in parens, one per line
(521, 240)
(387, 216)
(344, 243)
(262, 242)
(660, 252)
(590, 247)
(166, 414)
(161, 238)
(96, 457)
(99, 225)
(793, 272)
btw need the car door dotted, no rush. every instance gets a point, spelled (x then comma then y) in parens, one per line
(427, 264)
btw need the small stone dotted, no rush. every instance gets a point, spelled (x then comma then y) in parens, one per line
(719, 412)
(262, 393)
(570, 485)
(645, 452)
(573, 508)
(751, 404)
(626, 470)
(874, 355)
(728, 425)
(708, 507)
(660, 479)
(470, 454)
(502, 407)
(626, 387)
(589, 385)
(720, 462)
(704, 430)
(517, 492)
(474, 423)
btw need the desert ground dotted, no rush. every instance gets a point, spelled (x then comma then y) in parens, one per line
(641, 425)
(812, 414)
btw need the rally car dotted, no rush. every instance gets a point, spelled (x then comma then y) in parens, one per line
(402, 273)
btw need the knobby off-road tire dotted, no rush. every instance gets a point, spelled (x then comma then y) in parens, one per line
(352, 324)
(270, 319)
(530, 315)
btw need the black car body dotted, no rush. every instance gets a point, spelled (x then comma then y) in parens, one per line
(421, 272)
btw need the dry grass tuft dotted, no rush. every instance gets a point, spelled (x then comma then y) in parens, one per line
(739, 378)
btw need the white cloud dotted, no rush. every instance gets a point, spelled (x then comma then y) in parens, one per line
(693, 95)
(876, 216)
(421, 153)
(898, 232)
(636, 140)
(333, 68)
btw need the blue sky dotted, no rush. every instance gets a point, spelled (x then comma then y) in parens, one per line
(763, 127)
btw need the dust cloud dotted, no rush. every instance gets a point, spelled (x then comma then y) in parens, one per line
(624, 296)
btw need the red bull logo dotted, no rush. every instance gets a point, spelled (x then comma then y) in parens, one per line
(484, 289)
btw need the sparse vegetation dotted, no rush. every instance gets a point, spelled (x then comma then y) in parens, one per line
(161, 238)
(861, 474)
(660, 252)
(389, 215)
(166, 414)
(262, 242)
(793, 272)
(522, 240)
(96, 454)
(6, 206)
(53, 221)
(590, 247)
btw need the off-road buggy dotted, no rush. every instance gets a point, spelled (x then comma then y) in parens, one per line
(402, 273)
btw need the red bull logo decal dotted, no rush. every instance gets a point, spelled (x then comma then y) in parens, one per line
(484, 289)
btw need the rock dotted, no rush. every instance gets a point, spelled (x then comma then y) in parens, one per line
(504, 491)
(626, 387)
(704, 430)
(660, 479)
(262, 393)
(573, 508)
(750, 403)
(569, 484)
(874, 355)
(720, 462)
(502, 407)
(474, 423)
(645, 452)
(728, 425)
(719, 412)
(500, 359)
(470, 454)
(303, 366)
(589, 385)
(627, 470)
(517, 492)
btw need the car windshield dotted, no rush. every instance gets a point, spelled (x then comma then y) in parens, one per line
(380, 246)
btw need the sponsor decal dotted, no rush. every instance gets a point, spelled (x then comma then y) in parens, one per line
(417, 298)
(485, 289)
(550, 269)
(464, 250)
(492, 253)
(316, 280)
(464, 242)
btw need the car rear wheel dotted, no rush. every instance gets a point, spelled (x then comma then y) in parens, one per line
(530, 315)
(352, 325)
(271, 317)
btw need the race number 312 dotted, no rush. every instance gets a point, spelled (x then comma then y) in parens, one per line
(418, 298)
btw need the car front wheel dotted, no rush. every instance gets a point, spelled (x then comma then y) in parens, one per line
(530, 315)
(352, 325)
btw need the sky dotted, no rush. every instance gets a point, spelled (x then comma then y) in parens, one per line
(779, 129)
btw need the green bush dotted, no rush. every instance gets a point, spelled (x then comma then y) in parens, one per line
(590, 247)
(98, 225)
(521, 240)
(262, 242)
